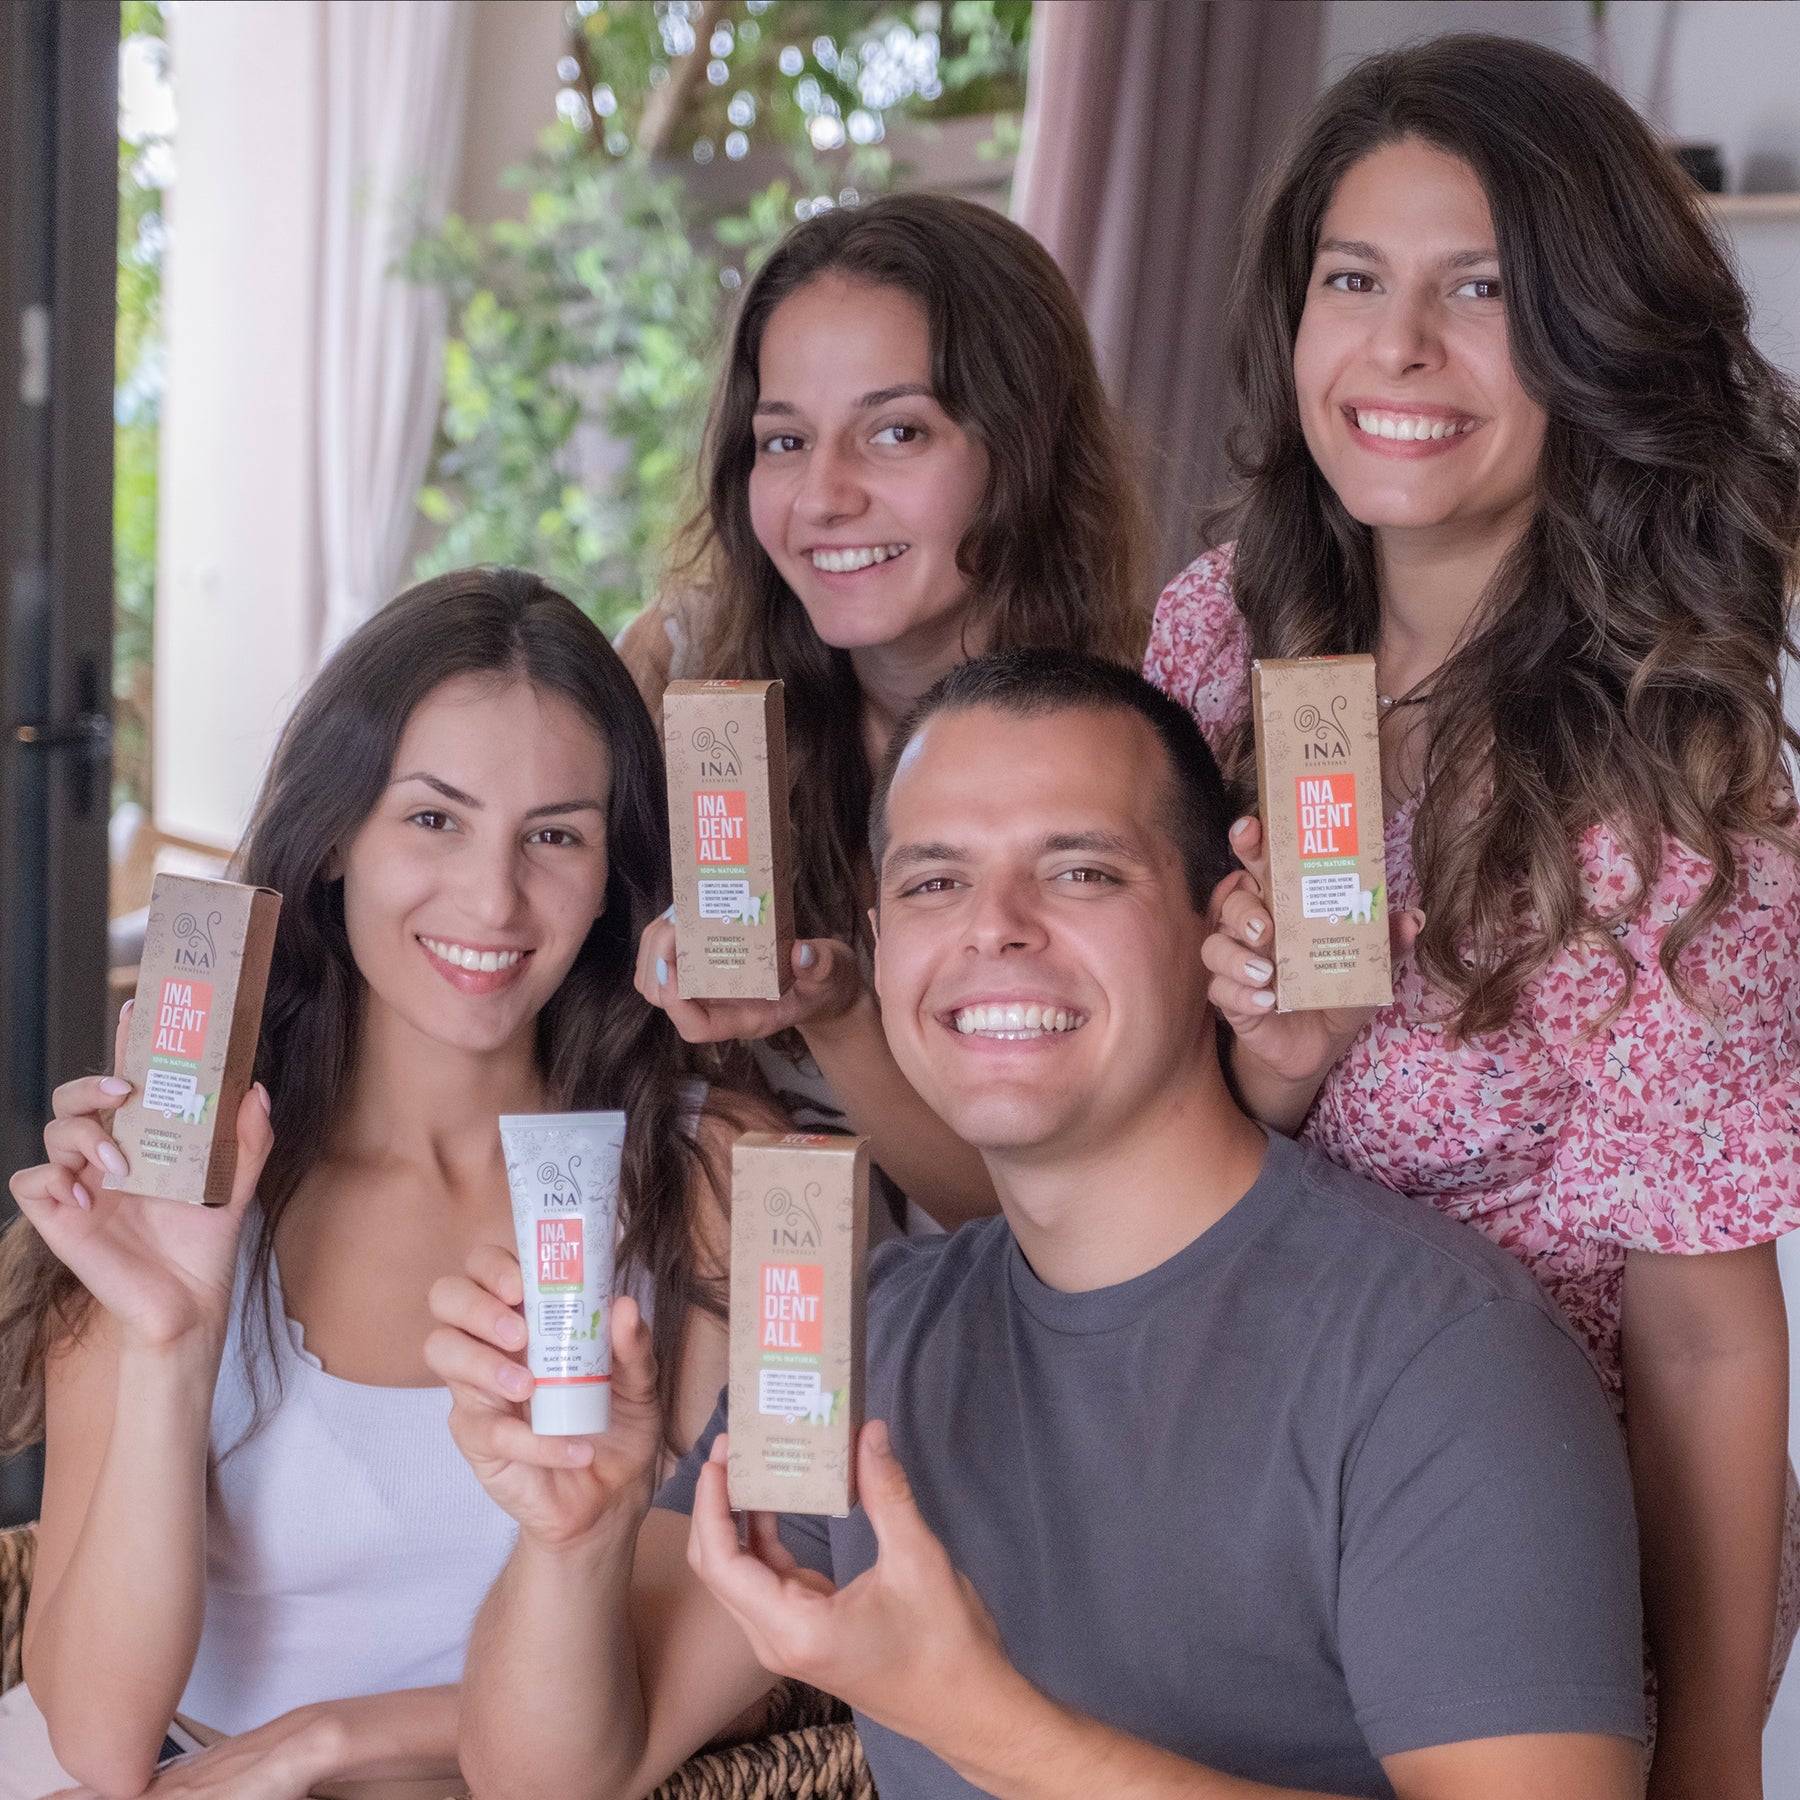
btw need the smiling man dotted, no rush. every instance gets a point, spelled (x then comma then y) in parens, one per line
(1204, 1470)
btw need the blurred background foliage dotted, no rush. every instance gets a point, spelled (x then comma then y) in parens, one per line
(146, 166)
(584, 336)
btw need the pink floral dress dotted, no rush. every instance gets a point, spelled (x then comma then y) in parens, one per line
(1670, 1131)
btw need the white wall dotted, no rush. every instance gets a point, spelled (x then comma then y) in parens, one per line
(237, 580)
(238, 608)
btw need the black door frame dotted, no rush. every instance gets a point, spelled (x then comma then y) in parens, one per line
(58, 248)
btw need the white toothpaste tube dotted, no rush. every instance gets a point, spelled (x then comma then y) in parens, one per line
(563, 1169)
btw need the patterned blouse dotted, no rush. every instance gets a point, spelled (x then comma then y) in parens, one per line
(1673, 1130)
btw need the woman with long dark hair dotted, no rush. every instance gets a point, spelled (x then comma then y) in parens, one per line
(1503, 427)
(910, 460)
(253, 1513)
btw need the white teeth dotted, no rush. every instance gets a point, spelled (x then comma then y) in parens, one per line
(1408, 428)
(1014, 1020)
(841, 562)
(485, 962)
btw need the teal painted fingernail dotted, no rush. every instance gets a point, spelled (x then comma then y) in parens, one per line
(808, 956)
(662, 973)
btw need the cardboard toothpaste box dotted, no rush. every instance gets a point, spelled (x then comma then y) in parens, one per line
(799, 1256)
(1318, 778)
(190, 1050)
(725, 744)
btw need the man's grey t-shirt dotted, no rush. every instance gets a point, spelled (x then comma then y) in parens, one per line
(1332, 1482)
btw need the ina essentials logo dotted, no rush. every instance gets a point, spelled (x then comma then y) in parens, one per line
(794, 1225)
(558, 1187)
(718, 753)
(194, 941)
(1322, 739)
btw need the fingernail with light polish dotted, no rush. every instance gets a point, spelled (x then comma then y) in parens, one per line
(82, 1197)
(808, 956)
(1258, 970)
(669, 915)
(125, 1010)
(1253, 930)
(1240, 828)
(111, 1084)
(109, 1158)
(662, 972)
(1263, 999)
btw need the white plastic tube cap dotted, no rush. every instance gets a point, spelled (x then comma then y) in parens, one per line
(574, 1411)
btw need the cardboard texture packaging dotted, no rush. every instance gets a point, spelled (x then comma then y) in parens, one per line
(191, 1048)
(726, 747)
(799, 1258)
(1318, 777)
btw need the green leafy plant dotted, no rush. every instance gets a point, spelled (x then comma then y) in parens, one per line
(585, 334)
(145, 168)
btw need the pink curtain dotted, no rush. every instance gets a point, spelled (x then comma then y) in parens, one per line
(1147, 126)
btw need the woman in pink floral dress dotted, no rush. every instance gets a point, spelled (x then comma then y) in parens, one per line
(1504, 429)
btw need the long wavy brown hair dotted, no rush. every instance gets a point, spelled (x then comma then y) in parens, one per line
(599, 1044)
(1053, 555)
(1624, 664)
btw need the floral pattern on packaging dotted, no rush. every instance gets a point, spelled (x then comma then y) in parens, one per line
(1670, 1131)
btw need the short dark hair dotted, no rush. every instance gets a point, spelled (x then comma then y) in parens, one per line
(1029, 683)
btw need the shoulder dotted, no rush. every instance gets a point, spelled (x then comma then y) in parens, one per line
(1390, 1255)
(1741, 970)
(660, 644)
(914, 1277)
(1199, 649)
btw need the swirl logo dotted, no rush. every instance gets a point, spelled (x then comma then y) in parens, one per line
(793, 1223)
(718, 752)
(560, 1187)
(194, 948)
(1323, 739)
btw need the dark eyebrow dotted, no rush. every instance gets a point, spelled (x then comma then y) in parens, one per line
(1104, 843)
(906, 856)
(459, 798)
(1107, 843)
(879, 397)
(1463, 259)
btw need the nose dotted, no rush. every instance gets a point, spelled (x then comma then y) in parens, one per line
(1408, 336)
(490, 888)
(1004, 917)
(831, 490)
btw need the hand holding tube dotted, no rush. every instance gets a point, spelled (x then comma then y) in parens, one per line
(560, 1489)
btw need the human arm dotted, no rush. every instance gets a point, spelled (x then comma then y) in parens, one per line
(647, 1667)
(831, 1006)
(1706, 1363)
(910, 1644)
(115, 1612)
(330, 1749)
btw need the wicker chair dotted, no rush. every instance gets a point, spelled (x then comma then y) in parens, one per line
(809, 1751)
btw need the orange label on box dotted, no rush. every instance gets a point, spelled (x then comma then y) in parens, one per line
(721, 829)
(793, 1307)
(559, 1253)
(181, 1016)
(1327, 814)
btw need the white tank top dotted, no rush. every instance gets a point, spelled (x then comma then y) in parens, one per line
(348, 1544)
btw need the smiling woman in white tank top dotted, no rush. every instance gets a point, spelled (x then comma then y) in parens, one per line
(254, 1515)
